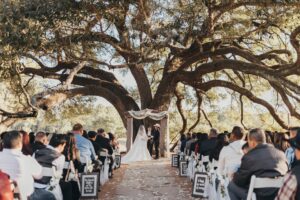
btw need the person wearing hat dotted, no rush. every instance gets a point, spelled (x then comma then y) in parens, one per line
(291, 186)
(156, 137)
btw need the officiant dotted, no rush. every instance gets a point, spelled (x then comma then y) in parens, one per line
(155, 133)
(150, 141)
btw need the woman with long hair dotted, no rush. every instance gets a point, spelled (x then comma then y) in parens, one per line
(26, 149)
(281, 141)
(222, 140)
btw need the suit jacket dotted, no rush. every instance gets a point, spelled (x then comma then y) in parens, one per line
(96, 146)
(262, 161)
(207, 146)
(104, 143)
(156, 135)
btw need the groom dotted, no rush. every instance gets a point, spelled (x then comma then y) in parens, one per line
(155, 133)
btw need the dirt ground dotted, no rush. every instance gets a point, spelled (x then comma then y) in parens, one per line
(155, 180)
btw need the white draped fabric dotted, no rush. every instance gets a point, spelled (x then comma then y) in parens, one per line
(148, 113)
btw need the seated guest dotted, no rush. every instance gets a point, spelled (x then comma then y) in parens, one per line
(245, 148)
(189, 143)
(48, 157)
(194, 144)
(113, 141)
(105, 146)
(41, 141)
(222, 141)
(72, 153)
(290, 188)
(1, 140)
(202, 137)
(26, 149)
(207, 146)
(231, 155)
(22, 169)
(31, 137)
(263, 160)
(281, 141)
(87, 151)
(182, 142)
(290, 152)
(92, 135)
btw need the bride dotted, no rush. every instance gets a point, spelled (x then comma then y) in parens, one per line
(138, 151)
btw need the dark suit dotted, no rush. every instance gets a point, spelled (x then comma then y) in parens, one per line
(262, 161)
(156, 137)
(104, 143)
(208, 146)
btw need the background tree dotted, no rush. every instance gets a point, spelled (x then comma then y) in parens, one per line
(247, 47)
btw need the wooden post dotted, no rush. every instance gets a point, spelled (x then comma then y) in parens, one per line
(129, 133)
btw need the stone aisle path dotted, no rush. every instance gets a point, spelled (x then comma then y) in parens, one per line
(153, 180)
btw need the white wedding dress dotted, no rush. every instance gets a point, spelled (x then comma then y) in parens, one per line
(138, 151)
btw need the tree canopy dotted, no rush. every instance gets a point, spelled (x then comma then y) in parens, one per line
(181, 49)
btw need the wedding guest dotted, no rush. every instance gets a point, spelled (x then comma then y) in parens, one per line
(263, 160)
(245, 148)
(26, 149)
(92, 137)
(31, 137)
(182, 142)
(231, 155)
(22, 169)
(290, 152)
(269, 137)
(41, 141)
(113, 141)
(1, 140)
(189, 143)
(71, 153)
(281, 141)
(104, 142)
(105, 146)
(202, 137)
(52, 156)
(85, 146)
(85, 134)
(222, 141)
(207, 146)
(290, 188)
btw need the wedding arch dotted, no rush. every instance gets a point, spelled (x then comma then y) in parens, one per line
(155, 115)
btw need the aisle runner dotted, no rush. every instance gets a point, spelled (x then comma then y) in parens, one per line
(147, 180)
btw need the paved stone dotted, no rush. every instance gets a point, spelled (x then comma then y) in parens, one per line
(155, 180)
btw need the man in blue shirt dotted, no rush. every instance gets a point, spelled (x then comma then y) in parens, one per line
(290, 152)
(87, 151)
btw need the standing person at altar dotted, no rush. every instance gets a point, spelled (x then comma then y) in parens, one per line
(150, 141)
(156, 137)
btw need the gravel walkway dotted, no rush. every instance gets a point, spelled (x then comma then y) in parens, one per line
(152, 180)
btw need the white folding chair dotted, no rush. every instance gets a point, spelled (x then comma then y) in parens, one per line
(205, 159)
(257, 182)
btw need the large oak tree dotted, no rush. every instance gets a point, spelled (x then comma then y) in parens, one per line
(204, 44)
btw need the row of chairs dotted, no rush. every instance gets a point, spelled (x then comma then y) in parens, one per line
(218, 183)
(72, 174)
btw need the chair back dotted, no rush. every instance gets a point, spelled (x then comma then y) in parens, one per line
(6, 192)
(205, 159)
(257, 183)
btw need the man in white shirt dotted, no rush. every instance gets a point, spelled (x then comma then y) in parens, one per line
(231, 155)
(22, 169)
